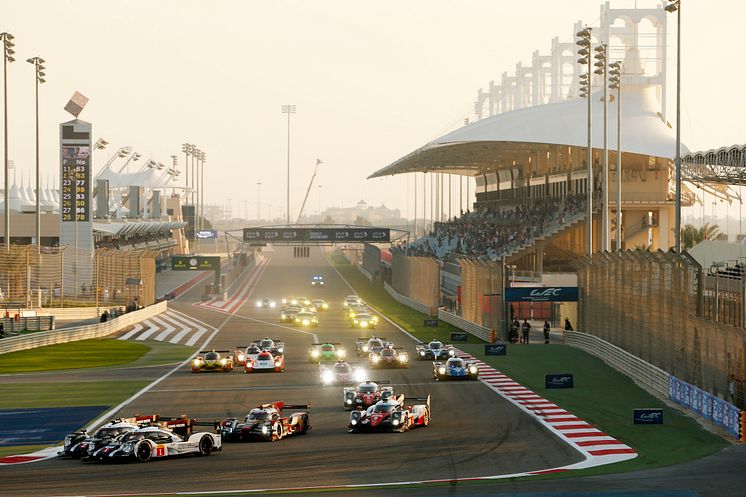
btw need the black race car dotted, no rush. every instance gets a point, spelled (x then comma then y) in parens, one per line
(81, 443)
(392, 414)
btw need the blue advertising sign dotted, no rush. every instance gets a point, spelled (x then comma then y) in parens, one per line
(207, 234)
(542, 294)
(561, 380)
(495, 349)
(705, 404)
(430, 322)
(648, 416)
(457, 336)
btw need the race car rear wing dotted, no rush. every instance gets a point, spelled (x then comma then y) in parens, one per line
(218, 351)
(426, 400)
(281, 405)
(325, 343)
(380, 382)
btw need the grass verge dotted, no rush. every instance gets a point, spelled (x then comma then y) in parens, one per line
(82, 354)
(602, 395)
(67, 393)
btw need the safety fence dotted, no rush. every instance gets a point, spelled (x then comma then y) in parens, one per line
(481, 293)
(403, 299)
(708, 406)
(371, 260)
(65, 277)
(478, 331)
(365, 273)
(98, 330)
(27, 323)
(650, 305)
(416, 277)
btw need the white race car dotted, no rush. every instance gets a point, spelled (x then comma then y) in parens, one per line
(155, 442)
(341, 372)
(265, 361)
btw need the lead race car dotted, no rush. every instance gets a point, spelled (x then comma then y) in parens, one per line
(434, 350)
(267, 423)
(81, 443)
(392, 414)
(212, 360)
(169, 437)
(455, 368)
(366, 394)
(266, 303)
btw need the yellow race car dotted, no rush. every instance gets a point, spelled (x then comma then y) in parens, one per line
(211, 360)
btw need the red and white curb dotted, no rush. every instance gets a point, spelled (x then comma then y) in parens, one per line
(598, 447)
(39, 455)
(241, 294)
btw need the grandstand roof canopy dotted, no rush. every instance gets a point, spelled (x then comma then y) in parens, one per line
(726, 165)
(135, 228)
(496, 141)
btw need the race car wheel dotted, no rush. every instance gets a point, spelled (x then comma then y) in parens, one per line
(277, 432)
(143, 452)
(205, 446)
(304, 426)
(426, 419)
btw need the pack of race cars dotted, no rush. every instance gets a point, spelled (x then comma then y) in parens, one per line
(374, 404)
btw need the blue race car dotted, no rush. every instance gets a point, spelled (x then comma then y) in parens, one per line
(455, 368)
(317, 280)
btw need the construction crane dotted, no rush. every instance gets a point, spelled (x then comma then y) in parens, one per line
(308, 191)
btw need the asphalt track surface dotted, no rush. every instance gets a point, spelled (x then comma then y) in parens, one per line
(474, 432)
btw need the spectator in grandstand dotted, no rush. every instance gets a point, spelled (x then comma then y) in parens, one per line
(525, 329)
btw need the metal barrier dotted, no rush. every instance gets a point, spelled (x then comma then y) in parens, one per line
(643, 373)
(478, 331)
(42, 338)
(417, 306)
(364, 272)
(30, 323)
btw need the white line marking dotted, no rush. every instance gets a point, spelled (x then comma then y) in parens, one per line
(169, 329)
(137, 328)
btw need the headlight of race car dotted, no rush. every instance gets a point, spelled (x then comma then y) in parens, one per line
(327, 376)
(451, 352)
(375, 359)
(283, 316)
(280, 350)
(374, 319)
(258, 303)
(314, 353)
(272, 305)
(403, 358)
(278, 364)
(348, 401)
(395, 419)
(241, 357)
(360, 375)
(364, 324)
(197, 362)
(223, 361)
(473, 369)
(341, 353)
(324, 306)
(366, 348)
(306, 322)
(422, 353)
(265, 430)
(442, 370)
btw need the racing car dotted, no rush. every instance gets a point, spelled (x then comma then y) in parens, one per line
(325, 352)
(276, 347)
(364, 321)
(288, 313)
(455, 368)
(389, 357)
(266, 303)
(174, 437)
(365, 345)
(242, 354)
(353, 310)
(305, 319)
(293, 301)
(366, 394)
(434, 350)
(352, 300)
(211, 360)
(317, 280)
(340, 372)
(267, 423)
(80, 443)
(320, 305)
(392, 414)
(265, 361)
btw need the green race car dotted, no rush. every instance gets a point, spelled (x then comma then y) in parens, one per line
(325, 352)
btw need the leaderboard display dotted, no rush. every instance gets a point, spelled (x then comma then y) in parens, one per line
(317, 235)
(76, 183)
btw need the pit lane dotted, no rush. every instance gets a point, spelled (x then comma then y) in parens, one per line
(474, 432)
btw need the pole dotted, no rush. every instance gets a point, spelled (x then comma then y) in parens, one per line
(619, 165)
(5, 148)
(424, 198)
(288, 182)
(258, 202)
(38, 180)
(589, 220)
(460, 193)
(450, 190)
(202, 196)
(415, 207)
(678, 129)
(605, 213)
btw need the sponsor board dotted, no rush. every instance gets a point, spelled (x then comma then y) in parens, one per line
(647, 416)
(542, 294)
(458, 336)
(430, 322)
(561, 380)
(705, 404)
(495, 349)
(318, 235)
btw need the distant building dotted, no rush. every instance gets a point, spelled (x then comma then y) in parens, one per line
(363, 212)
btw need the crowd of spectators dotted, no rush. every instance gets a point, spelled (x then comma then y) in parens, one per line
(491, 232)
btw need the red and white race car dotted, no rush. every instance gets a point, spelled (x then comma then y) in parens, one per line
(393, 414)
(267, 422)
(265, 361)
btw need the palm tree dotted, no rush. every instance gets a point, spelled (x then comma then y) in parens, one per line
(691, 236)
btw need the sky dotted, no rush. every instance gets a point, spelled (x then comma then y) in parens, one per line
(372, 81)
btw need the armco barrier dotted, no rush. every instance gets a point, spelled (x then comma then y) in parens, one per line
(643, 373)
(417, 306)
(364, 272)
(473, 328)
(65, 335)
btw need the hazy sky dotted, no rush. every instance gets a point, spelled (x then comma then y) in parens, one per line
(372, 81)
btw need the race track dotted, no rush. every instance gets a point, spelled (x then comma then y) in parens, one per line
(474, 432)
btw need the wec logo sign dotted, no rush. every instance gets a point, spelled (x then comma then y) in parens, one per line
(548, 292)
(559, 381)
(649, 416)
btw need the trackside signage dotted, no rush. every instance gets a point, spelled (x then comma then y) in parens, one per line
(562, 380)
(495, 349)
(648, 416)
(542, 294)
(319, 235)
(709, 406)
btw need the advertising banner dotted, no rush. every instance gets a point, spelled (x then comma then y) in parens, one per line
(207, 234)
(542, 294)
(561, 380)
(648, 416)
(705, 404)
(495, 349)
(319, 235)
